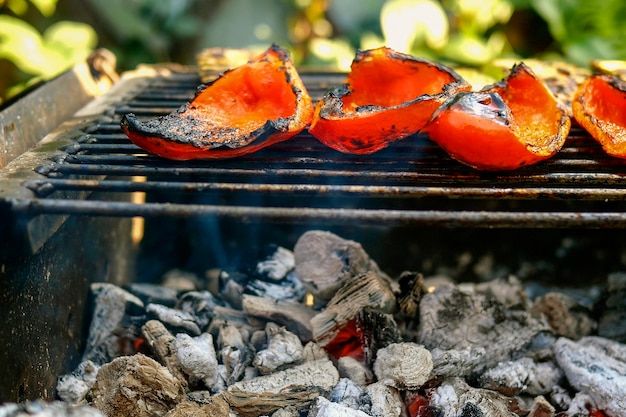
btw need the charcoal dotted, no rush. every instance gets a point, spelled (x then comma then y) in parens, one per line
(588, 369)
(289, 411)
(163, 346)
(313, 352)
(324, 261)
(288, 289)
(541, 408)
(201, 305)
(355, 370)
(349, 394)
(454, 319)
(612, 309)
(154, 294)
(181, 281)
(386, 401)
(108, 336)
(296, 317)
(565, 315)
(454, 397)
(135, 386)
(403, 365)
(73, 387)
(197, 357)
(324, 408)
(234, 352)
(173, 319)
(41, 408)
(522, 376)
(216, 407)
(456, 362)
(284, 348)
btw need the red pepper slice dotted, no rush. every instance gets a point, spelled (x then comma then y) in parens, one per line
(599, 106)
(245, 109)
(387, 96)
(507, 125)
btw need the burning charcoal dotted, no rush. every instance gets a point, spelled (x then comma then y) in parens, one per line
(73, 387)
(454, 319)
(197, 357)
(278, 265)
(386, 401)
(541, 408)
(217, 407)
(324, 408)
(368, 290)
(135, 386)
(288, 289)
(612, 322)
(403, 365)
(455, 398)
(588, 369)
(163, 344)
(324, 261)
(349, 394)
(175, 320)
(201, 305)
(522, 376)
(154, 294)
(355, 370)
(40, 408)
(106, 340)
(296, 317)
(567, 317)
(284, 348)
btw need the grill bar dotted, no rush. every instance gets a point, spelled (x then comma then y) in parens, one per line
(411, 182)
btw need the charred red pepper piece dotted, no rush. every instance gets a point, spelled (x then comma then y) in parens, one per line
(245, 109)
(386, 97)
(599, 106)
(507, 125)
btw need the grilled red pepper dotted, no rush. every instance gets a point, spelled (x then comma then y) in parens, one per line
(599, 106)
(386, 97)
(245, 109)
(507, 125)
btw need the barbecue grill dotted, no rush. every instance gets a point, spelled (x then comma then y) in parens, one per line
(68, 206)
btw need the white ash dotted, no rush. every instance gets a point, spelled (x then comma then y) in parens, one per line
(589, 369)
(454, 319)
(355, 370)
(216, 407)
(278, 265)
(73, 387)
(609, 347)
(581, 403)
(41, 408)
(324, 408)
(522, 376)
(284, 348)
(324, 261)
(107, 328)
(386, 401)
(320, 375)
(456, 362)
(313, 352)
(288, 289)
(174, 318)
(403, 365)
(351, 395)
(289, 411)
(154, 294)
(197, 357)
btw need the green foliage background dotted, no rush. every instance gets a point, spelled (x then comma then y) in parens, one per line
(41, 38)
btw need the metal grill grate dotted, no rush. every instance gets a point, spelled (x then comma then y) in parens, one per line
(90, 161)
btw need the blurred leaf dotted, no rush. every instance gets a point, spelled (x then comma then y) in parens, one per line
(334, 53)
(408, 23)
(45, 7)
(73, 40)
(23, 45)
(18, 7)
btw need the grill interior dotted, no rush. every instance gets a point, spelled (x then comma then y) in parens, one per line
(411, 182)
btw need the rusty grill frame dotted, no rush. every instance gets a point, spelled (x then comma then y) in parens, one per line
(413, 182)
